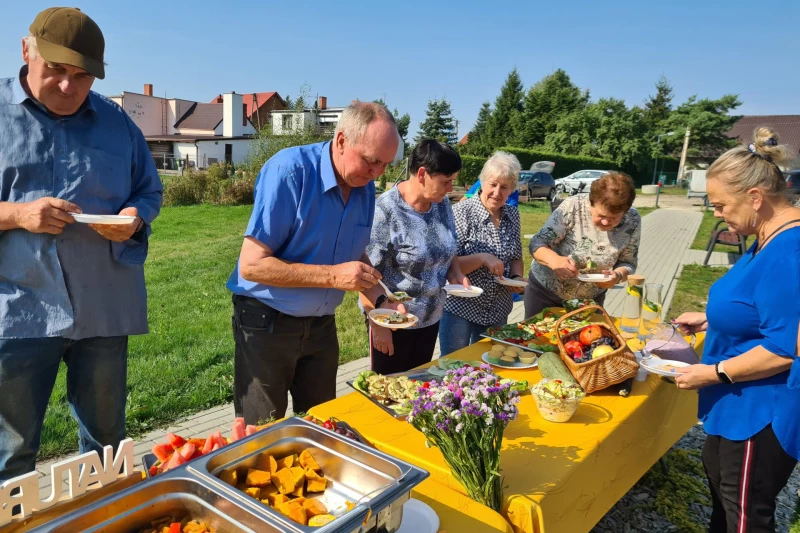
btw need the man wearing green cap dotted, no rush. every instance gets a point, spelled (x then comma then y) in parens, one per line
(69, 291)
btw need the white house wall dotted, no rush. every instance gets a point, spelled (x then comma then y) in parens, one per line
(145, 111)
(216, 150)
(181, 150)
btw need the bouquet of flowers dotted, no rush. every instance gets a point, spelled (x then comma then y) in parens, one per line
(464, 416)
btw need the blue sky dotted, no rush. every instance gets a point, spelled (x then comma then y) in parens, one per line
(413, 51)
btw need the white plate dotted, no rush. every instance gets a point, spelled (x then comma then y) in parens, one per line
(511, 282)
(527, 349)
(515, 366)
(462, 292)
(656, 366)
(595, 278)
(103, 219)
(418, 517)
(383, 312)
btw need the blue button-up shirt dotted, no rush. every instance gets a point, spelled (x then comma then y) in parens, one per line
(300, 214)
(77, 284)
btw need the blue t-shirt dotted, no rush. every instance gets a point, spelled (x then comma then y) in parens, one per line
(300, 214)
(413, 252)
(757, 303)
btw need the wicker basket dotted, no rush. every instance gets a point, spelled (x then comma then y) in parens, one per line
(609, 369)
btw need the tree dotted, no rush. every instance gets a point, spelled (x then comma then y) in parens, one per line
(507, 105)
(477, 142)
(438, 123)
(288, 101)
(403, 122)
(658, 106)
(605, 129)
(550, 99)
(709, 121)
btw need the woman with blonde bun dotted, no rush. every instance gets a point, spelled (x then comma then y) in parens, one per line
(749, 377)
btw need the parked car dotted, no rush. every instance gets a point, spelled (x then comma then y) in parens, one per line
(793, 184)
(536, 185)
(576, 178)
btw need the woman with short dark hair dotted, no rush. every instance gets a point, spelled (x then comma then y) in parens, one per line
(412, 245)
(595, 233)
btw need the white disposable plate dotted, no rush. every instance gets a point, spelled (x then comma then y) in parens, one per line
(103, 219)
(515, 366)
(595, 278)
(462, 292)
(418, 517)
(657, 366)
(511, 282)
(384, 312)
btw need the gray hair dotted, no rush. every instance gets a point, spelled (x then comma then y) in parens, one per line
(358, 116)
(30, 46)
(501, 165)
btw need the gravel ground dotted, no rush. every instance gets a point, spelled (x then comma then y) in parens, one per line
(635, 511)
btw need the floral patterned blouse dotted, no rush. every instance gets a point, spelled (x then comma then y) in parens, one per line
(570, 232)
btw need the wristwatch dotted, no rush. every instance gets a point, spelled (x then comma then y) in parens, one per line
(379, 300)
(721, 375)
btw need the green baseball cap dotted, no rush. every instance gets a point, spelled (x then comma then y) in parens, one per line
(68, 36)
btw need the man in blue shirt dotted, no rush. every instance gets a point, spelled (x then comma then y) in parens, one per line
(303, 248)
(68, 291)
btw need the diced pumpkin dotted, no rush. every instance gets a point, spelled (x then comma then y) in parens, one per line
(298, 492)
(230, 477)
(267, 463)
(314, 508)
(257, 478)
(287, 462)
(299, 500)
(298, 475)
(269, 489)
(283, 479)
(276, 498)
(253, 492)
(294, 511)
(321, 520)
(315, 482)
(307, 461)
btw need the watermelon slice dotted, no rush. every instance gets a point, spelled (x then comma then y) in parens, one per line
(249, 430)
(175, 440)
(216, 447)
(237, 432)
(175, 461)
(163, 451)
(187, 450)
(208, 445)
(219, 442)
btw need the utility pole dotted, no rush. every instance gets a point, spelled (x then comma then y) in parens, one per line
(683, 154)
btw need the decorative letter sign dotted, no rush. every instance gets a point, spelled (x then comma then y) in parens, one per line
(84, 472)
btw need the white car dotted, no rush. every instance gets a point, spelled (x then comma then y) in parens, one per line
(574, 180)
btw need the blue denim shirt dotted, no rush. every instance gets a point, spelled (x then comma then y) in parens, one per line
(300, 214)
(77, 284)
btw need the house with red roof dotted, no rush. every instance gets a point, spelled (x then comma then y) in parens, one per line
(258, 106)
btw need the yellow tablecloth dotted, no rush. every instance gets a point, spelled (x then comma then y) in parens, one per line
(557, 477)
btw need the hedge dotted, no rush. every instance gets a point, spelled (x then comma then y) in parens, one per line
(470, 169)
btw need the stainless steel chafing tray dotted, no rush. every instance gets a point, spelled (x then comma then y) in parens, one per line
(378, 483)
(178, 496)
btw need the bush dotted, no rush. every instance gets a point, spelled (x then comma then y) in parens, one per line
(470, 169)
(218, 185)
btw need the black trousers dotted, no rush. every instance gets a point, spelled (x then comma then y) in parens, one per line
(412, 347)
(745, 478)
(278, 354)
(538, 297)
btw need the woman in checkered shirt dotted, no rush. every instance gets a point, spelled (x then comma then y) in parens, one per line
(488, 246)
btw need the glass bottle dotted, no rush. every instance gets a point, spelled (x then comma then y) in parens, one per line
(651, 307)
(632, 306)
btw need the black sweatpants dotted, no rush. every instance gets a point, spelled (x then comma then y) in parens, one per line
(412, 347)
(745, 478)
(278, 354)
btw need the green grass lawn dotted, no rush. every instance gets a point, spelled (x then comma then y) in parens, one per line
(704, 233)
(691, 293)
